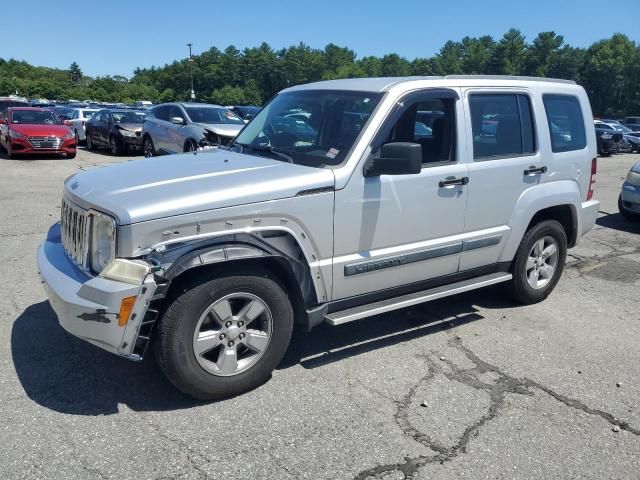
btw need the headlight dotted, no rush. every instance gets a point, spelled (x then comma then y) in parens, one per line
(103, 241)
(633, 178)
(15, 134)
(127, 133)
(606, 136)
(70, 135)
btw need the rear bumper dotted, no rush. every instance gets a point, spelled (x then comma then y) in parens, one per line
(590, 211)
(88, 307)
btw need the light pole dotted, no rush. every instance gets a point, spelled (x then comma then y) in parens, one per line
(193, 93)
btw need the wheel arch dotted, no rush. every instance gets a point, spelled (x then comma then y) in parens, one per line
(558, 200)
(193, 263)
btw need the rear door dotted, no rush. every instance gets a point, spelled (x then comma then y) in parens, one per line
(504, 161)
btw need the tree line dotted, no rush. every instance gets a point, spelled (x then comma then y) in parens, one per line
(609, 70)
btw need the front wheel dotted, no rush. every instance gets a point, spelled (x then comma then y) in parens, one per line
(147, 147)
(90, 144)
(224, 336)
(539, 262)
(626, 213)
(114, 146)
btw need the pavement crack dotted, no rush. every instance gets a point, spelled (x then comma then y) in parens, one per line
(498, 389)
(195, 458)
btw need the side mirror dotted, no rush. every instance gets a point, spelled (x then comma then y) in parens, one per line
(397, 158)
(177, 120)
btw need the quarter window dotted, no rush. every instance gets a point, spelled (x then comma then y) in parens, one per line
(566, 123)
(502, 125)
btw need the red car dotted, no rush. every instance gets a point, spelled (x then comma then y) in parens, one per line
(25, 131)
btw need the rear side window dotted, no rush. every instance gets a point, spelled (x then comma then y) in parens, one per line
(502, 125)
(566, 123)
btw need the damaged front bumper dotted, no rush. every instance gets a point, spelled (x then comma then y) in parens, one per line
(90, 307)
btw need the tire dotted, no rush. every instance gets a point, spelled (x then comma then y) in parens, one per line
(190, 146)
(77, 138)
(114, 146)
(530, 256)
(10, 154)
(626, 213)
(147, 147)
(90, 145)
(71, 156)
(209, 376)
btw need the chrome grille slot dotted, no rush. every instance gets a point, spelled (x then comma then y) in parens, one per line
(45, 142)
(74, 227)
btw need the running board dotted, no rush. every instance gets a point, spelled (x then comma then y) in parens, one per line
(376, 308)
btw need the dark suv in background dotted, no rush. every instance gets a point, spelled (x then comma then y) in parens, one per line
(119, 130)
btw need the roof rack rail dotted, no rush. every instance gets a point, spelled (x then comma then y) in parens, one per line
(509, 77)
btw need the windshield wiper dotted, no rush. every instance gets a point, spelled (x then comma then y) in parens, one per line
(266, 149)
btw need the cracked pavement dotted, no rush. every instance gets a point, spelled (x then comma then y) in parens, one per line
(466, 387)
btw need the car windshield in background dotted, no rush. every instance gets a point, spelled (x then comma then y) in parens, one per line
(35, 117)
(213, 115)
(128, 117)
(312, 127)
(88, 113)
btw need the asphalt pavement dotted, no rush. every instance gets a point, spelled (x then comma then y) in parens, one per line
(467, 387)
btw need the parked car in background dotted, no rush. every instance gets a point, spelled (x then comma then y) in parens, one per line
(79, 117)
(632, 122)
(118, 130)
(187, 127)
(142, 104)
(607, 141)
(246, 113)
(63, 112)
(12, 101)
(622, 144)
(629, 199)
(28, 131)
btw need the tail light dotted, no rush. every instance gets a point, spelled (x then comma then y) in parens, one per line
(592, 180)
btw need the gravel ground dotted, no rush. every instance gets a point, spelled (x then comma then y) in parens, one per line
(467, 387)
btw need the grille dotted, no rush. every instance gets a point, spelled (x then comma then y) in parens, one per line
(45, 142)
(74, 226)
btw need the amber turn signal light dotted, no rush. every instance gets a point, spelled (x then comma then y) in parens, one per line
(126, 307)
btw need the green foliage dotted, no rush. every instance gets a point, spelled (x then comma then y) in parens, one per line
(609, 70)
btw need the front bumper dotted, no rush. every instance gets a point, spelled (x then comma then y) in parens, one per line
(631, 197)
(88, 307)
(132, 143)
(22, 146)
(590, 211)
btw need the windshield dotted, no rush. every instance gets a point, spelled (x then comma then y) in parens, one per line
(35, 117)
(88, 113)
(128, 117)
(314, 127)
(213, 115)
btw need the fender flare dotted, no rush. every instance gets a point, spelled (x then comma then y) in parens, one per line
(229, 248)
(535, 199)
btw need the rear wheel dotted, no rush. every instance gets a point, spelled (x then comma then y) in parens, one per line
(224, 336)
(539, 262)
(77, 138)
(147, 147)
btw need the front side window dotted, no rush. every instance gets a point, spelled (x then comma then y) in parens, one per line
(311, 127)
(161, 113)
(431, 123)
(213, 115)
(566, 123)
(35, 117)
(502, 125)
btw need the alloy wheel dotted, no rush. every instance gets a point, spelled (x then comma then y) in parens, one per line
(542, 262)
(232, 334)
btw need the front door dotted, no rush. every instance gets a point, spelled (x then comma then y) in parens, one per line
(394, 230)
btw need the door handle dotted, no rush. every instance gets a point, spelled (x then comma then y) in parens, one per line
(451, 182)
(532, 170)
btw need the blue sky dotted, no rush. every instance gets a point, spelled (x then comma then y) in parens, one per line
(115, 36)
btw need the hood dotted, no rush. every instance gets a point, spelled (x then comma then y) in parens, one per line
(158, 187)
(224, 129)
(134, 127)
(40, 130)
